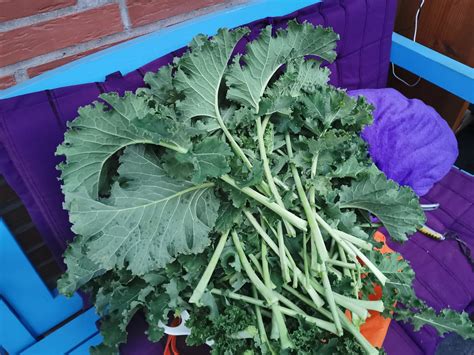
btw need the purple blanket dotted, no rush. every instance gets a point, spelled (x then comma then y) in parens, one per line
(409, 141)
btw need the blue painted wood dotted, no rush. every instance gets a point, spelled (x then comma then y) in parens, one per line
(135, 53)
(38, 308)
(66, 339)
(439, 69)
(14, 337)
(83, 349)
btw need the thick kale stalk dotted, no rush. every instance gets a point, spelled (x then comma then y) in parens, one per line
(243, 195)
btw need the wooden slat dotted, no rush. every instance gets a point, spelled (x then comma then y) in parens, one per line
(67, 338)
(37, 307)
(28, 237)
(83, 349)
(14, 336)
(435, 67)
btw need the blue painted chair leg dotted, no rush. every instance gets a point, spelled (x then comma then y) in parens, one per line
(14, 336)
(66, 339)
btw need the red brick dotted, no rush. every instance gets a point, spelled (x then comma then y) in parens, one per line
(143, 12)
(28, 42)
(7, 81)
(40, 69)
(13, 9)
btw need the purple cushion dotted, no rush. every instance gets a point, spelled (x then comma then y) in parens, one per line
(409, 141)
(444, 277)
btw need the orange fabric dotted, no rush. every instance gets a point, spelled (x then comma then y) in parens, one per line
(379, 237)
(376, 327)
(171, 347)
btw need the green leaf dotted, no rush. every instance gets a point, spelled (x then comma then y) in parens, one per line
(228, 215)
(161, 84)
(112, 335)
(173, 289)
(332, 149)
(230, 259)
(254, 177)
(279, 104)
(322, 185)
(328, 106)
(399, 273)
(164, 123)
(193, 266)
(267, 54)
(157, 310)
(208, 300)
(200, 72)
(396, 207)
(240, 117)
(349, 168)
(446, 321)
(207, 159)
(80, 269)
(120, 302)
(149, 218)
(97, 134)
(239, 199)
(300, 76)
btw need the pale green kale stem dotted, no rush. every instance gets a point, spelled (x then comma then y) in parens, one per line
(206, 277)
(278, 321)
(308, 288)
(284, 310)
(282, 212)
(266, 292)
(312, 201)
(281, 253)
(268, 174)
(261, 326)
(314, 230)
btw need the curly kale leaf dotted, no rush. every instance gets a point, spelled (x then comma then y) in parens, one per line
(396, 207)
(227, 330)
(149, 219)
(268, 53)
(311, 340)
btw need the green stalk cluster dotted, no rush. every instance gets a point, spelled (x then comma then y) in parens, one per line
(260, 157)
(311, 283)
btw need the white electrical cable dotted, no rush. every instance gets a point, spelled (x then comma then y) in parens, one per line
(414, 40)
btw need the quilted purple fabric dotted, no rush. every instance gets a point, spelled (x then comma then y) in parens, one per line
(409, 141)
(444, 277)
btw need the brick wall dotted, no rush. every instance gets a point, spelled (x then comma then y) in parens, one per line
(39, 35)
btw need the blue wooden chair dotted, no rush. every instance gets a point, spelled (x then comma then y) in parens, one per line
(29, 309)
(34, 319)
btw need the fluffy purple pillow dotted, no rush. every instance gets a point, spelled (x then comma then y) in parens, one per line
(409, 141)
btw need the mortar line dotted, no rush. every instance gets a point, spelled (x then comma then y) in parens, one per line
(127, 24)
